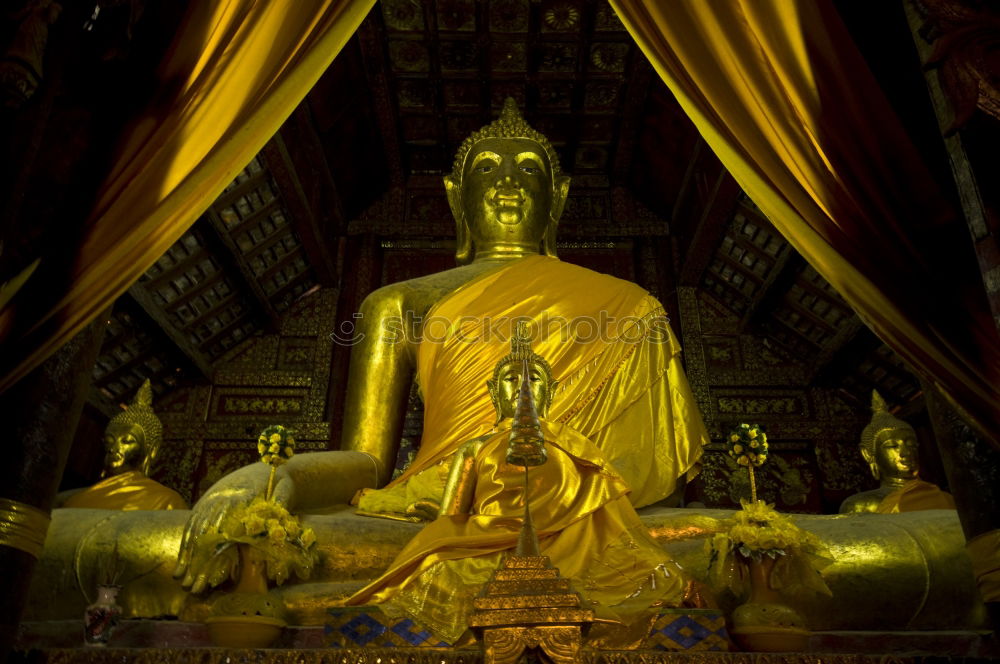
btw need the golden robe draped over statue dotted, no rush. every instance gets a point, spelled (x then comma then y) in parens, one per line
(914, 496)
(127, 491)
(585, 524)
(609, 344)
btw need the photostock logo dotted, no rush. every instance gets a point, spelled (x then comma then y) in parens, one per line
(415, 328)
(347, 334)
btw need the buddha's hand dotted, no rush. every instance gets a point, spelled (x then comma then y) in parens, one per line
(205, 560)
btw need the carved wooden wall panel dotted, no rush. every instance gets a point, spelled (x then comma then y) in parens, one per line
(278, 378)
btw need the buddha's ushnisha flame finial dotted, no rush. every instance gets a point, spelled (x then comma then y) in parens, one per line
(510, 124)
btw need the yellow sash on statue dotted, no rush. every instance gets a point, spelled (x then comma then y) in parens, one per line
(914, 496)
(128, 491)
(584, 522)
(609, 344)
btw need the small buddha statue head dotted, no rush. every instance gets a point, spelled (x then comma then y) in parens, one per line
(506, 190)
(505, 385)
(889, 445)
(133, 436)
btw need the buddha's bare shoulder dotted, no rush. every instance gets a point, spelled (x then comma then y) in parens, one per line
(421, 293)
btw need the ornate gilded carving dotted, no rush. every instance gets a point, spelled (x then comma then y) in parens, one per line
(609, 57)
(456, 14)
(558, 58)
(402, 15)
(508, 56)
(561, 17)
(528, 605)
(408, 56)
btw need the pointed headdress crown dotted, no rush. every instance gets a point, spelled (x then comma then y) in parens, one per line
(882, 420)
(510, 124)
(140, 412)
(520, 350)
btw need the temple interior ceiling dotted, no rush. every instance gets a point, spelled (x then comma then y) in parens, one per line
(356, 172)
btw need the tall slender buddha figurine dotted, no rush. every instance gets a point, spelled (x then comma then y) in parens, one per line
(579, 506)
(889, 447)
(131, 443)
(623, 387)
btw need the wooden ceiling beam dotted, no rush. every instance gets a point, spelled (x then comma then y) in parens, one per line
(227, 198)
(714, 221)
(174, 271)
(225, 330)
(282, 263)
(783, 275)
(226, 250)
(221, 305)
(302, 191)
(253, 218)
(145, 301)
(192, 293)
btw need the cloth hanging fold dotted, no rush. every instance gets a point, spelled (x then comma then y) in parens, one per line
(782, 96)
(235, 71)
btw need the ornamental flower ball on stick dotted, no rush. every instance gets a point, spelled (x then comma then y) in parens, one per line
(747, 444)
(275, 446)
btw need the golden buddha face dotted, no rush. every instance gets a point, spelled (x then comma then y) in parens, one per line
(507, 191)
(506, 386)
(509, 386)
(124, 448)
(896, 456)
(506, 201)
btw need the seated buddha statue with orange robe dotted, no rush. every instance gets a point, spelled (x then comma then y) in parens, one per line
(623, 386)
(622, 389)
(579, 506)
(131, 442)
(889, 447)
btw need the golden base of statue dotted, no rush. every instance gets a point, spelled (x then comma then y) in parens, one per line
(528, 605)
(246, 617)
(765, 623)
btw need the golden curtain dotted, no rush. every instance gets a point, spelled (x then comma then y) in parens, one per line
(235, 71)
(780, 93)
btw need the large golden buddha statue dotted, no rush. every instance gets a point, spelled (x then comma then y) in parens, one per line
(131, 443)
(623, 386)
(622, 393)
(889, 447)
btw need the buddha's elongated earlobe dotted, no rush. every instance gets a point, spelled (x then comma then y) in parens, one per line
(463, 239)
(560, 189)
(494, 391)
(870, 460)
(549, 241)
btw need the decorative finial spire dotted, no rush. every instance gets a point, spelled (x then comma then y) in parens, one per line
(144, 397)
(527, 445)
(878, 403)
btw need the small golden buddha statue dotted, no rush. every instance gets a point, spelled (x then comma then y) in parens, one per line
(131, 443)
(579, 507)
(889, 447)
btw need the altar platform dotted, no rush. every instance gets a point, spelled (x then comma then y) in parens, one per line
(174, 642)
